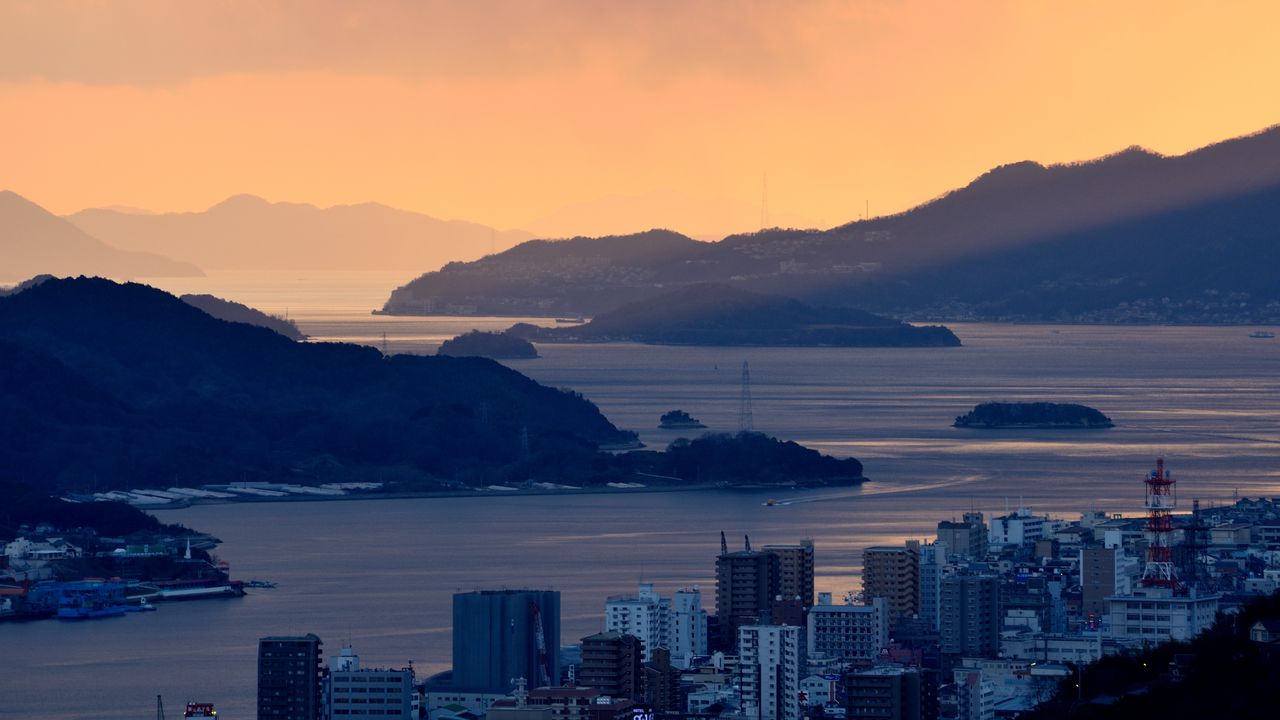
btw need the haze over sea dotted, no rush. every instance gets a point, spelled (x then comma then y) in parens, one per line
(379, 574)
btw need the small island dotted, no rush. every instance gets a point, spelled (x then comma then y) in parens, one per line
(711, 314)
(679, 420)
(493, 345)
(1035, 415)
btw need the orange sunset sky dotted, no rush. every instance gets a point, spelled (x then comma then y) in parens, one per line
(593, 117)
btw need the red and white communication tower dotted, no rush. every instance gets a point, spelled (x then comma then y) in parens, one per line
(1161, 499)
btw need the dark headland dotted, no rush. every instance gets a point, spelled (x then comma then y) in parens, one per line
(237, 312)
(720, 315)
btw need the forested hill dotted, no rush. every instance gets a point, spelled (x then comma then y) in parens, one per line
(106, 385)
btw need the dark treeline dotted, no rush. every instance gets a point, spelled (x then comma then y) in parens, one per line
(744, 458)
(1219, 674)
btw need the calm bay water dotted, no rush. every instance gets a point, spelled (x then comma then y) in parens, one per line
(380, 574)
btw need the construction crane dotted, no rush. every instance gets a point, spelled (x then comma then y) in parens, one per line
(544, 675)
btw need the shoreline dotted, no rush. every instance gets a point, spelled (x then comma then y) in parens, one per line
(514, 492)
(909, 320)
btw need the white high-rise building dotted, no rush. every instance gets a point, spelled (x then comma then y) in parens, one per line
(688, 626)
(769, 671)
(679, 626)
(644, 615)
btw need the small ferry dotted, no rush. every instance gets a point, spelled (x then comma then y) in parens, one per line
(1261, 334)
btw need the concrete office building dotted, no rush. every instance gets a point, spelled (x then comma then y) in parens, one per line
(1017, 528)
(1153, 615)
(612, 664)
(1105, 571)
(746, 585)
(847, 631)
(795, 571)
(289, 678)
(893, 573)
(688, 625)
(933, 561)
(678, 624)
(645, 615)
(352, 691)
(970, 615)
(887, 692)
(502, 635)
(967, 538)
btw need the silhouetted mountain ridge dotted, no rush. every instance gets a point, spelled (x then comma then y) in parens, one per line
(1020, 210)
(247, 232)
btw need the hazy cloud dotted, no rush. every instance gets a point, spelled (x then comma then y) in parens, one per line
(152, 43)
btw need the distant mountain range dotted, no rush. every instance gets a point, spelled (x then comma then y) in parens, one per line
(1133, 236)
(245, 232)
(714, 314)
(34, 241)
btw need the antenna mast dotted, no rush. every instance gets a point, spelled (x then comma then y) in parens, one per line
(1161, 499)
